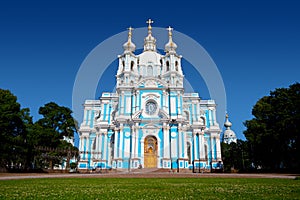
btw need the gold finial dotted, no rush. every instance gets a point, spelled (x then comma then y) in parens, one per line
(130, 29)
(149, 22)
(226, 115)
(170, 29)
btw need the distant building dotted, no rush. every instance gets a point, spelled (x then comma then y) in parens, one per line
(149, 121)
(229, 135)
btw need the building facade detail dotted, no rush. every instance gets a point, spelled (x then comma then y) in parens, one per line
(229, 135)
(149, 121)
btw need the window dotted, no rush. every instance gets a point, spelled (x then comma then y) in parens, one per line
(168, 65)
(131, 65)
(188, 146)
(149, 70)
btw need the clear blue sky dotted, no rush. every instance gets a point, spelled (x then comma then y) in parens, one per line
(255, 44)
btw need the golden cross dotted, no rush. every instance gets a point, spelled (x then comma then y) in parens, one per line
(130, 29)
(170, 30)
(149, 22)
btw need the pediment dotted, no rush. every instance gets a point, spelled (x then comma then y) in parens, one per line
(151, 83)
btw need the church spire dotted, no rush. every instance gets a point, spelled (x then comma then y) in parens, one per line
(149, 41)
(227, 123)
(170, 47)
(149, 22)
(129, 46)
(229, 135)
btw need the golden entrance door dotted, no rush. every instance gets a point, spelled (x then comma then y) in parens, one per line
(150, 152)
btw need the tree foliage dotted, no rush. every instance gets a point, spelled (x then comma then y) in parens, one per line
(273, 133)
(11, 127)
(25, 144)
(235, 156)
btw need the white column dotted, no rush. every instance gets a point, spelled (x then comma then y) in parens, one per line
(212, 147)
(137, 100)
(133, 141)
(178, 103)
(126, 146)
(164, 100)
(121, 142)
(198, 109)
(201, 146)
(87, 147)
(136, 140)
(196, 151)
(122, 103)
(166, 141)
(210, 117)
(167, 109)
(81, 143)
(97, 146)
(218, 148)
(100, 146)
(109, 154)
(184, 145)
(193, 112)
(142, 151)
(214, 116)
(173, 147)
(179, 141)
(133, 103)
(116, 144)
(105, 147)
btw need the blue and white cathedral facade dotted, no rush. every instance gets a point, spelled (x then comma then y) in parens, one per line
(149, 121)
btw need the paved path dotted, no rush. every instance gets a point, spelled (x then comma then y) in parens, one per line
(8, 176)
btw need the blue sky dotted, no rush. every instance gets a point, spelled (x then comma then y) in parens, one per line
(255, 44)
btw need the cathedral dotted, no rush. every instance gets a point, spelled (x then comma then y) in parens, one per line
(149, 122)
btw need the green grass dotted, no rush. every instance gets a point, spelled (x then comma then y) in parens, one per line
(150, 188)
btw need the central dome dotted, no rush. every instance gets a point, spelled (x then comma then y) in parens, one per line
(148, 57)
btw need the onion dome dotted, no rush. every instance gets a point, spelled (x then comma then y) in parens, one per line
(129, 46)
(149, 41)
(229, 135)
(227, 123)
(170, 47)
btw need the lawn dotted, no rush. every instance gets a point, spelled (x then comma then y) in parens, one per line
(150, 188)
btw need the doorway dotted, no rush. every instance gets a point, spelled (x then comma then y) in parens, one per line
(150, 152)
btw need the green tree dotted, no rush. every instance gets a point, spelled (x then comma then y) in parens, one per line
(11, 130)
(48, 131)
(273, 133)
(57, 118)
(236, 156)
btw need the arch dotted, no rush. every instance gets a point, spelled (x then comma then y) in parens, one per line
(112, 146)
(149, 70)
(176, 65)
(123, 64)
(202, 121)
(94, 144)
(150, 151)
(186, 115)
(189, 152)
(131, 65)
(206, 152)
(168, 66)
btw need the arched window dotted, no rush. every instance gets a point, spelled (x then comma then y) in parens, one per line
(188, 150)
(168, 66)
(202, 120)
(131, 65)
(205, 150)
(112, 146)
(186, 115)
(149, 70)
(176, 65)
